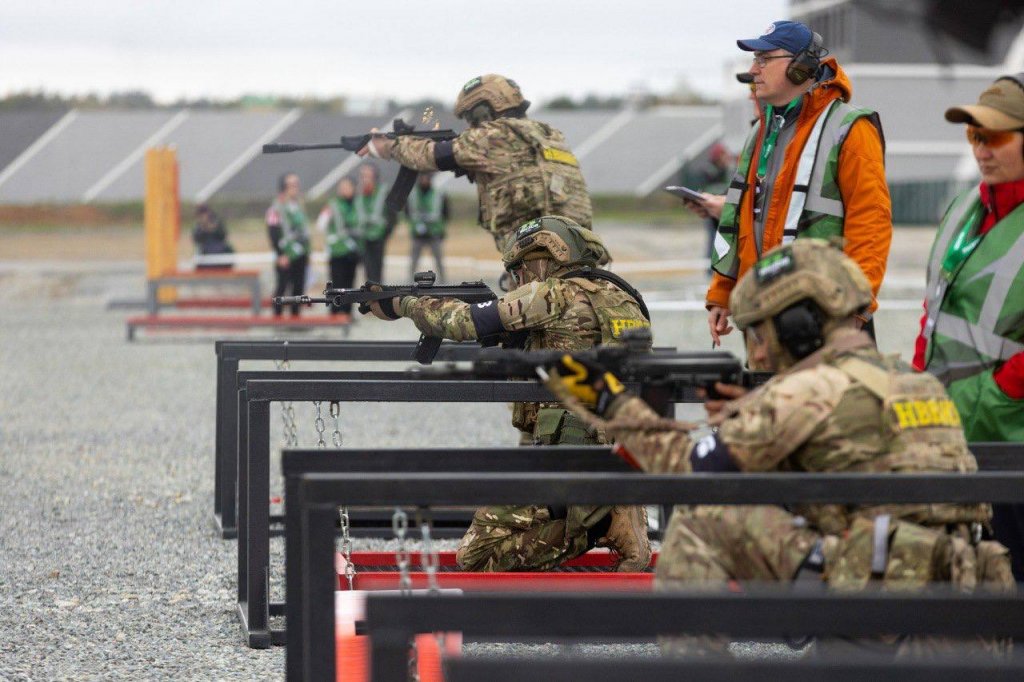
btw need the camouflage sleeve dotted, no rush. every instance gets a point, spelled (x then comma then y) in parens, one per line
(486, 149)
(786, 415)
(641, 431)
(447, 318)
(414, 152)
(534, 305)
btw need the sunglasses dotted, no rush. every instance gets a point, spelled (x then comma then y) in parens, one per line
(993, 139)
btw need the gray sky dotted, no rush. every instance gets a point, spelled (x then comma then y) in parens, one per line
(223, 48)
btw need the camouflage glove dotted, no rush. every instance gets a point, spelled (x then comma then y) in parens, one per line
(591, 384)
(384, 309)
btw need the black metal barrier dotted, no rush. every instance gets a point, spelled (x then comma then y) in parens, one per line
(316, 496)
(572, 669)
(230, 353)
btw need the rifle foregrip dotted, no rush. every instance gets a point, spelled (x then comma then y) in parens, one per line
(426, 349)
(399, 193)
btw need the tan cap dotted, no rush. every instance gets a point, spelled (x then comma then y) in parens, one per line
(1000, 107)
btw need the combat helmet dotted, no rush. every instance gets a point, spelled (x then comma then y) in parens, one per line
(557, 238)
(801, 286)
(485, 97)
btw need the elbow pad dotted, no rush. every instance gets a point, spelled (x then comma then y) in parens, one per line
(710, 454)
(444, 156)
(486, 319)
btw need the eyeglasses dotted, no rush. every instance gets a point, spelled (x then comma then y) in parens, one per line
(993, 139)
(762, 60)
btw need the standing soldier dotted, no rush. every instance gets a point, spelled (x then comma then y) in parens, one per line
(374, 221)
(562, 302)
(523, 169)
(836, 405)
(427, 209)
(288, 229)
(344, 241)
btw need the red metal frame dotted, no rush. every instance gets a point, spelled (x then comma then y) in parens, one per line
(385, 577)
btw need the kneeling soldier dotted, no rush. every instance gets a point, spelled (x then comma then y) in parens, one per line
(835, 405)
(562, 302)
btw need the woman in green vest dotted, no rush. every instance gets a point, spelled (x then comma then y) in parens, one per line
(343, 239)
(972, 332)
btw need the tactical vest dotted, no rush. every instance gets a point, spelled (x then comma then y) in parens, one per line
(343, 236)
(294, 241)
(370, 219)
(425, 213)
(979, 325)
(920, 433)
(545, 179)
(816, 205)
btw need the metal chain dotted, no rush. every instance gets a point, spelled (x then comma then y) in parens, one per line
(336, 413)
(431, 562)
(346, 546)
(290, 432)
(319, 425)
(400, 526)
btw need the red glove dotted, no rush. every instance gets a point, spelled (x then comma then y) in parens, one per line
(1010, 377)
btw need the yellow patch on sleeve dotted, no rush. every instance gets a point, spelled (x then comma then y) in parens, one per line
(620, 325)
(560, 156)
(916, 414)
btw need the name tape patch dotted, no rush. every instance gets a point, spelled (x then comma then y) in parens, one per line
(560, 156)
(918, 414)
(620, 325)
(774, 265)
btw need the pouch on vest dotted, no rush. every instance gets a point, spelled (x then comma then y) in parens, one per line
(916, 556)
(993, 570)
(852, 567)
(557, 426)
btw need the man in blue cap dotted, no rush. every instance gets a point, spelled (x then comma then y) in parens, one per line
(812, 166)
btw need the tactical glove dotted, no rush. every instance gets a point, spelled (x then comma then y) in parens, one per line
(384, 309)
(591, 384)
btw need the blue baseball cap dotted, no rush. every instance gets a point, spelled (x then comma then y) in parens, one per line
(791, 36)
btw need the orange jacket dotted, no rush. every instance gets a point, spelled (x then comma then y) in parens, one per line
(867, 226)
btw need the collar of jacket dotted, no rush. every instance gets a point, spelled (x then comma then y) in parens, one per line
(999, 200)
(834, 84)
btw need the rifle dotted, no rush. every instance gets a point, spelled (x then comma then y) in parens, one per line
(664, 376)
(426, 348)
(406, 176)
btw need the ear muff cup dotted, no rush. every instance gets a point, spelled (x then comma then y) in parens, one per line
(799, 329)
(806, 62)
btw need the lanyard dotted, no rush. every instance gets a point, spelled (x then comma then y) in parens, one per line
(962, 246)
(774, 123)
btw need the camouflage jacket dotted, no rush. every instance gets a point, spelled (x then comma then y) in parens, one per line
(523, 169)
(823, 419)
(559, 314)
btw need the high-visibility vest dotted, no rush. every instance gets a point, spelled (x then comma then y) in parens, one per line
(816, 206)
(370, 218)
(975, 312)
(342, 231)
(294, 241)
(425, 213)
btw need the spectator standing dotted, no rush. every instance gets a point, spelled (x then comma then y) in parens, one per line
(210, 237)
(427, 210)
(288, 229)
(344, 241)
(373, 220)
(972, 332)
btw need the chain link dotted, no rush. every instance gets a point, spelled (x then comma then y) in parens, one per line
(431, 562)
(290, 431)
(318, 423)
(346, 546)
(336, 414)
(400, 526)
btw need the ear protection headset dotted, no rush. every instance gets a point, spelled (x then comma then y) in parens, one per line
(799, 328)
(806, 62)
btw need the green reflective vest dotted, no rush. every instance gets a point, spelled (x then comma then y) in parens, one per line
(425, 213)
(976, 316)
(816, 206)
(342, 230)
(370, 219)
(294, 241)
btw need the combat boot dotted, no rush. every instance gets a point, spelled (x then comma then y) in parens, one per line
(627, 536)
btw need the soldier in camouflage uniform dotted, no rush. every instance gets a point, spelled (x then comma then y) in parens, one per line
(835, 405)
(523, 169)
(562, 302)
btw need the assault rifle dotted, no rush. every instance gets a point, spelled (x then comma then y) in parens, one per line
(664, 376)
(406, 176)
(426, 349)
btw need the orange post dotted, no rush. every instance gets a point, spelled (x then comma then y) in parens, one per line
(162, 216)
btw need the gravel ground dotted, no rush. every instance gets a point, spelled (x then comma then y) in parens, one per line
(109, 566)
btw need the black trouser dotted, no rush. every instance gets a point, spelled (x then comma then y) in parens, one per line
(343, 276)
(291, 277)
(373, 259)
(432, 243)
(1008, 528)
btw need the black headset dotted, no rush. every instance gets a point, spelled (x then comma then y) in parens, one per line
(806, 62)
(799, 328)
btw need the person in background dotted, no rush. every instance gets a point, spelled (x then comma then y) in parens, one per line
(374, 221)
(343, 240)
(210, 237)
(288, 230)
(972, 331)
(711, 174)
(427, 210)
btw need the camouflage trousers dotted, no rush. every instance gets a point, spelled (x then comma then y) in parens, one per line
(526, 538)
